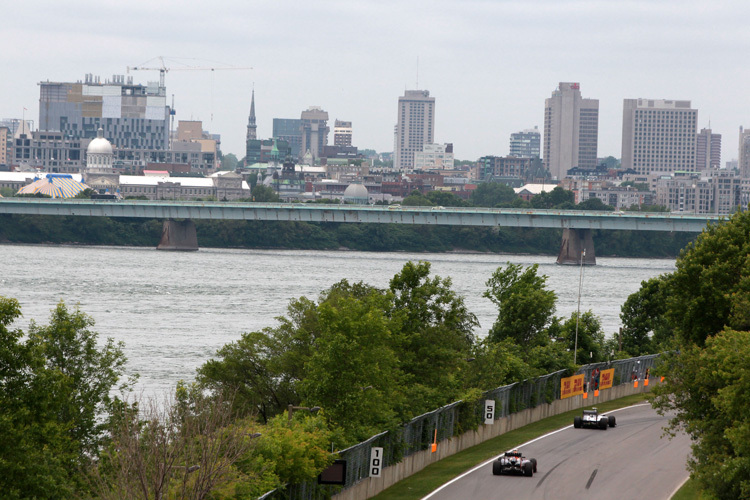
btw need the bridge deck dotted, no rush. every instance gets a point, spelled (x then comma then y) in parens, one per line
(311, 212)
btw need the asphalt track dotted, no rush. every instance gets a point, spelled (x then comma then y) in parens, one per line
(630, 461)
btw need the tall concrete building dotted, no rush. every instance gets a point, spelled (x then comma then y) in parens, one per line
(658, 136)
(707, 150)
(415, 127)
(743, 162)
(314, 130)
(342, 133)
(132, 116)
(526, 144)
(571, 130)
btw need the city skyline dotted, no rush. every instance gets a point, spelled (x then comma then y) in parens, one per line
(490, 66)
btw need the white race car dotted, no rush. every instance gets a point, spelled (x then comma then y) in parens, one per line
(592, 418)
(513, 462)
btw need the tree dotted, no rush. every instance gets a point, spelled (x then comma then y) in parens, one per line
(492, 194)
(553, 199)
(445, 199)
(525, 306)
(183, 448)
(55, 397)
(416, 199)
(590, 337)
(435, 331)
(706, 393)
(229, 162)
(594, 204)
(710, 288)
(644, 324)
(261, 193)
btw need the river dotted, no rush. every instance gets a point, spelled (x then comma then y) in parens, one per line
(174, 310)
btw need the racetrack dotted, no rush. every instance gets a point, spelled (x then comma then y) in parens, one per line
(630, 461)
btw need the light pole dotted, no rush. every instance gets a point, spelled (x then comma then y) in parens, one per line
(578, 314)
(291, 409)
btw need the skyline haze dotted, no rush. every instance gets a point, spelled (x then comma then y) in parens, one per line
(489, 65)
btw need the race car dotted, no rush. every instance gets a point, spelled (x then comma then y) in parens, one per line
(592, 418)
(513, 462)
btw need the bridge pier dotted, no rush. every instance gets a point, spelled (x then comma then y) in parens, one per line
(178, 236)
(575, 241)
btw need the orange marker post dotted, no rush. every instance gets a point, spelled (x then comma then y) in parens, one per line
(434, 443)
(585, 395)
(662, 379)
(596, 393)
(635, 383)
(645, 383)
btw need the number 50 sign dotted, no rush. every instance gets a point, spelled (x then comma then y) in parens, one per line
(489, 411)
(376, 461)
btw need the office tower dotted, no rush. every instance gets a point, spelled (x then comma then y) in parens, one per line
(132, 116)
(415, 127)
(658, 136)
(251, 126)
(743, 161)
(314, 129)
(5, 142)
(342, 133)
(289, 130)
(526, 144)
(571, 129)
(707, 150)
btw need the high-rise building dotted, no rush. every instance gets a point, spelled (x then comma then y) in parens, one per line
(314, 130)
(342, 133)
(5, 143)
(434, 156)
(251, 125)
(707, 150)
(743, 161)
(571, 130)
(526, 144)
(132, 116)
(415, 127)
(289, 130)
(658, 136)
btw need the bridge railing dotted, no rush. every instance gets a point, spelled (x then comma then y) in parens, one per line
(454, 419)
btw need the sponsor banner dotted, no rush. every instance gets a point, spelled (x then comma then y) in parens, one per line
(571, 386)
(606, 378)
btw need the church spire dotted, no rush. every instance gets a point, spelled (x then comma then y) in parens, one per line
(251, 126)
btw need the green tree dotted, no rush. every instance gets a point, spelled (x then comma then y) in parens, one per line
(594, 204)
(644, 324)
(435, 330)
(525, 306)
(229, 162)
(710, 288)
(445, 199)
(416, 199)
(706, 393)
(492, 194)
(553, 199)
(261, 193)
(55, 397)
(590, 337)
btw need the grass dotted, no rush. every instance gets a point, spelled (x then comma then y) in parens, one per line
(690, 491)
(423, 482)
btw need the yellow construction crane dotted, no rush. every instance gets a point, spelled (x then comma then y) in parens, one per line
(162, 68)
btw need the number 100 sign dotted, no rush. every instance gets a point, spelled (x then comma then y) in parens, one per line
(376, 461)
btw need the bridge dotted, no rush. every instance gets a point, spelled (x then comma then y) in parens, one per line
(179, 230)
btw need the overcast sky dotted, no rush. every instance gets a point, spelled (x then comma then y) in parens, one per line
(489, 64)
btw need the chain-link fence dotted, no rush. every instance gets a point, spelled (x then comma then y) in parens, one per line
(453, 419)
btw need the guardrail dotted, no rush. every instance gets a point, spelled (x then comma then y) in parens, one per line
(453, 420)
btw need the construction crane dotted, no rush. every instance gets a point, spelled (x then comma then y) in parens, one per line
(163, 68)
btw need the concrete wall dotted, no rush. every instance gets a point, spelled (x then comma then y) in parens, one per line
(412, 464)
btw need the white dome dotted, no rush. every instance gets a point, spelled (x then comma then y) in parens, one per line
(100, 145)
(356, 192)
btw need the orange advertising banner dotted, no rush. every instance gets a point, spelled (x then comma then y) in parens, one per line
(606, 377)
(571, 386)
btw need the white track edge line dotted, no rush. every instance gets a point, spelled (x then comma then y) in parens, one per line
(519, 446)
